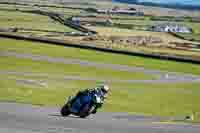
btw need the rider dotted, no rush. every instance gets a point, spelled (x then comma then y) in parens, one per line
(99, 90)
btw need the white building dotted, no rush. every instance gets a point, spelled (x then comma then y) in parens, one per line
(171, 28)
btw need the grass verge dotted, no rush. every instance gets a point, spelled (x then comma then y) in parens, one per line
(96, 56)
(28, 65)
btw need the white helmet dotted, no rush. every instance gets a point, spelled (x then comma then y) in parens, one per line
(105, 88)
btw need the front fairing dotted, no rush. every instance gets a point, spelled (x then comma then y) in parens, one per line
(79, 102)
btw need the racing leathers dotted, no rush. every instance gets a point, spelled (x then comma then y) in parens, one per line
(98, 91)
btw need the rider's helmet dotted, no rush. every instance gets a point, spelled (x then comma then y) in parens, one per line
(104, 88)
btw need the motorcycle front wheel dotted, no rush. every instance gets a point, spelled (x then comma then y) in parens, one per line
(88, 113)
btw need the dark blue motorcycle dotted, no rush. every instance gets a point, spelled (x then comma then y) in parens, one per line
(82, 106)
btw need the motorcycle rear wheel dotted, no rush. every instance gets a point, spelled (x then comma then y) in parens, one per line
(65, 111)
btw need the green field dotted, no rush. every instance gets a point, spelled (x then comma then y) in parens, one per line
(192, 37)
(11, 19)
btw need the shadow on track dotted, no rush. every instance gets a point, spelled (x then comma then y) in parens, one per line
(70, 116)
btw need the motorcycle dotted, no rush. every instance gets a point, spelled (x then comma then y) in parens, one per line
(82, 106)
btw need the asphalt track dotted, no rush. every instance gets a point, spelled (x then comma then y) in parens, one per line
(24, 118)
